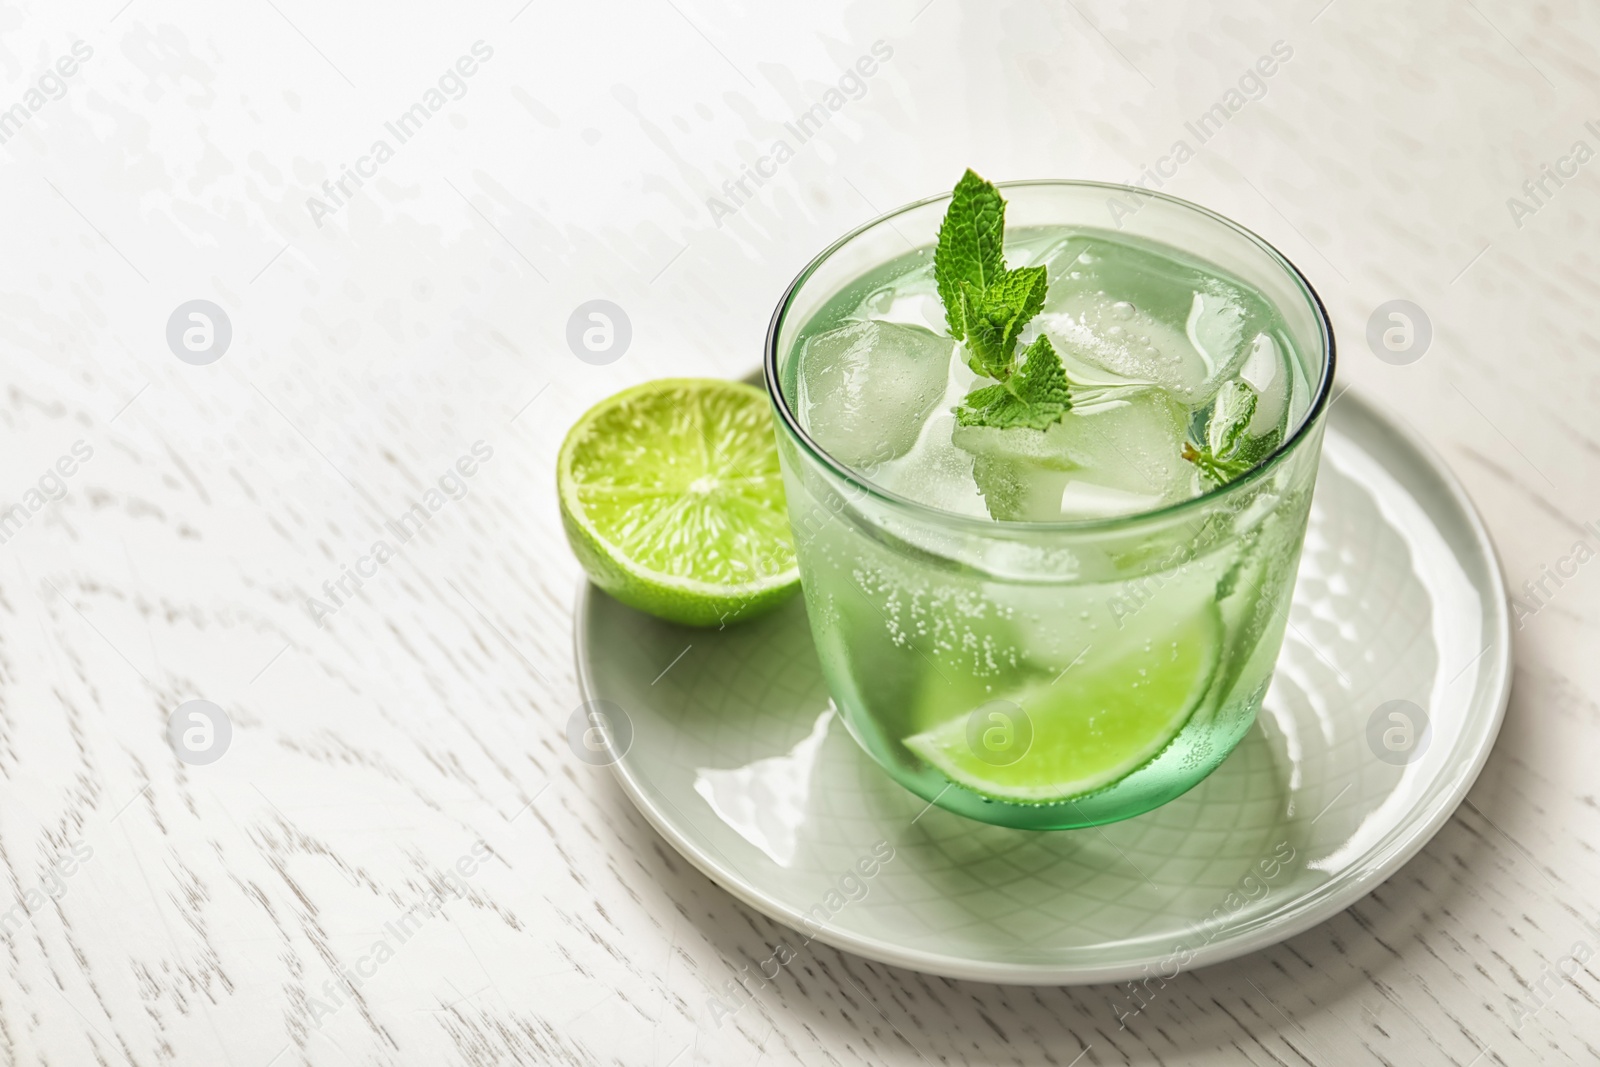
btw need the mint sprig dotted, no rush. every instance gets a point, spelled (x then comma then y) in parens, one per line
(1227, 452)
(986, 305)
(995, 317)
(970, 246)
(1036, 395)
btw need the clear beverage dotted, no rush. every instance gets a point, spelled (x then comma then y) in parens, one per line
(1061, 627)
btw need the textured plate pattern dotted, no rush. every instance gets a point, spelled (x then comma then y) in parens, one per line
(738, 759)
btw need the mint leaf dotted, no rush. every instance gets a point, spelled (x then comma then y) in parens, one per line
(1230, 416)
(970, 245)
(1228, 452)
(985, 324)
(987, 305)
(1036, 395)
(968, 318)
(993, 319)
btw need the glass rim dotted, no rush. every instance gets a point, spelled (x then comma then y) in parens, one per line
(1289, 444)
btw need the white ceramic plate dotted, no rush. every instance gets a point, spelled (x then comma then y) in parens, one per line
(735, 755)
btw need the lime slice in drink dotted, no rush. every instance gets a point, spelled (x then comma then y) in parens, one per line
(672, 501)
(1100, 721)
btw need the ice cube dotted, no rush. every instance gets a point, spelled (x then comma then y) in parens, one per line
(1114, 453)
(1216, 330)
(866, 389)
(934, 472)
(1083, 500)
(1129, 440)
(1072, 263)
(1122, 339)
(1016, 486)
(1125, 340)
(911, 299)
(917, 309)
(1264, 372)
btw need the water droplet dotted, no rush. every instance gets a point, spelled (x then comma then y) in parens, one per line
(1123, 310)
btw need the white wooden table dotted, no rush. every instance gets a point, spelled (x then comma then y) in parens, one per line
(397, 755)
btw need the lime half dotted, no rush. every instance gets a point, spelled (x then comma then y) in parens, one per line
(1100, 721)
(672, 501)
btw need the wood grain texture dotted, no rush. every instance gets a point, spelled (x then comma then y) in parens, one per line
(222, 912)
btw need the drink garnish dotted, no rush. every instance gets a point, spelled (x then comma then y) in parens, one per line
(1228, 451)
(987, 304)
(672, 500)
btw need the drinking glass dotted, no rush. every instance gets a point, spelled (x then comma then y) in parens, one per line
(925, 617)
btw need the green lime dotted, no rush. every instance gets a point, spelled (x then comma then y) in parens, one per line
(673, 502)
(1100, 721)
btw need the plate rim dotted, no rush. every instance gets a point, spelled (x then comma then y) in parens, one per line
(1309, 909)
